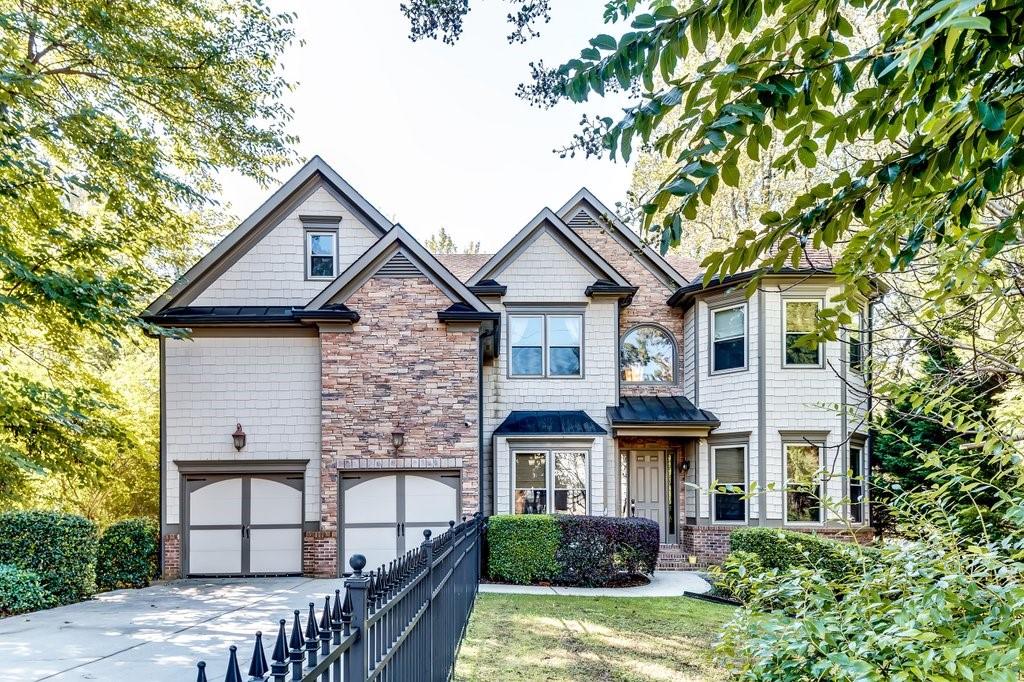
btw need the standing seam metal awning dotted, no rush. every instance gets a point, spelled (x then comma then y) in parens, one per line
(549, 423)
(659, 411)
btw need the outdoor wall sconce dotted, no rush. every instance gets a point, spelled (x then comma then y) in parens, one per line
(238, 437)
(397, 439)
(684, 465)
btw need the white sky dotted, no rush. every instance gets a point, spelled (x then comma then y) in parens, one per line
(433, 134)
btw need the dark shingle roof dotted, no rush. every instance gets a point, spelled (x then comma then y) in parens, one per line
(671, 410)
(549, 422)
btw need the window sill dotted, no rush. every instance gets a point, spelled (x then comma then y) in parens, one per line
(734, 370)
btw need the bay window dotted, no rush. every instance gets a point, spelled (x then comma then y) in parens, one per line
(857, 474)
(550, 482)
(548, 345)
(729, 472)
(728, 346)
(856, 348)
(803, 483)
(799, 319)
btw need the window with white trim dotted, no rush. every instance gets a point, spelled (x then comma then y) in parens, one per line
(803, 483)
(730, 474)
(858, 479)
(321, 254)
(550, 482)
(729, 342)
(856, 348)
(545, 345)
(648, 355)
(799, 319)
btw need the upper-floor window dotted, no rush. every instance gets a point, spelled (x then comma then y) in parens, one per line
(729, 472)
(856, 348)
(321, 254)
(803, 483)
(728, 347)
(648, 355)
(800, 318)
(545, 345)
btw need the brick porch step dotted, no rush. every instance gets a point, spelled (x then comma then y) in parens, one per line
(672, 558)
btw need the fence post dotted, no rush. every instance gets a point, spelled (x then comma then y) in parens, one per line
(356, 586)
(428, 553)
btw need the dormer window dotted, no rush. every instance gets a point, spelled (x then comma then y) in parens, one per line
(648, 355)
(321, 254)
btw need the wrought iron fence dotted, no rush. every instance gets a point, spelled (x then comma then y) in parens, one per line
(403, 621)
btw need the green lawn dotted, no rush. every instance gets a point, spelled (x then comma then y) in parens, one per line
(527, 637)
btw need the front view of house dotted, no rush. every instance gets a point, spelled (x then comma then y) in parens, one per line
(342, 389)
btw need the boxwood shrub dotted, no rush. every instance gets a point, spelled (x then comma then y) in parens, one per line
(784, 549)
(569, 550)
(521, 549)
(127, 554)
(59, 548)
(20, 591)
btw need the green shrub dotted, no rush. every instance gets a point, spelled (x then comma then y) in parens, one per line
(522, 548)
(127, 554)
(59, 548)
(20, 591)
(783, 549)
(735, 576)
(594, 549)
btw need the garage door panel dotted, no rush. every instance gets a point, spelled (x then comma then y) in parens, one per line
(274, 502)
(378, 545)
(215, 551)
(275, 550)
(217, 504)
(372, 500)
(428, 499)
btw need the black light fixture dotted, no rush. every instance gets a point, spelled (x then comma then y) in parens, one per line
(684, 465)
(397, 439)
(238, 437)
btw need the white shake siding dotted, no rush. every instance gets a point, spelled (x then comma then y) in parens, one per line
(546, 273)
(271, 385)
(273, 271)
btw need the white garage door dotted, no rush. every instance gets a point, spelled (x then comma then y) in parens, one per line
(384, 515)
(244, 525)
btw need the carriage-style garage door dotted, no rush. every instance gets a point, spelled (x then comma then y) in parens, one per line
(384, 515)
(244, 525)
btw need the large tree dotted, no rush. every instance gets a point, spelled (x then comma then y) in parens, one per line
(114, 119)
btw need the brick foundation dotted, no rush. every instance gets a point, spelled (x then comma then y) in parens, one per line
(710, 544)
(320, 553)
(172, 556)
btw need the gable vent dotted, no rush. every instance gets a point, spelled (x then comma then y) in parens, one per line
(581, 219)
(398, 266)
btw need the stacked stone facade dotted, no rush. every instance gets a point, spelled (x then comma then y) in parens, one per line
(398, 369)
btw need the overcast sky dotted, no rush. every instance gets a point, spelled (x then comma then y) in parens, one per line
(433, 134)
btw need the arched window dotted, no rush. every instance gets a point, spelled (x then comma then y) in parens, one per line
(648, 355)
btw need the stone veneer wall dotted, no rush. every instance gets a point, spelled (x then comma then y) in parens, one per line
(398, 369)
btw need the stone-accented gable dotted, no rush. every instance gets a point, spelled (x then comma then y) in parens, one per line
(398, 369)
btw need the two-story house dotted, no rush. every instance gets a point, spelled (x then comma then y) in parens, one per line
(341, 389)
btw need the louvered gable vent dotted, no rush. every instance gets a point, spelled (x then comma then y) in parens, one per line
(398, 266)
(581, 219)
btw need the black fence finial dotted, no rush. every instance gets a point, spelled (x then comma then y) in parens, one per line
(201, 676)
(258, 667)
(234, 673)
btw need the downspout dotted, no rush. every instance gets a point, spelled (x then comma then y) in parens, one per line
(870, 455)
(480, 420)
(161, 445)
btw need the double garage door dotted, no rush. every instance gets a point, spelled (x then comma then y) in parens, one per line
(384, 515)
(243, 525)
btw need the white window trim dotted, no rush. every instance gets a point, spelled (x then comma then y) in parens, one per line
(311, 232)
(549, 473)
(544, 349)
(746, 339)
(863, 474)
(822, 482)
(746, 483)
(859, 330)
(675, 356)
(821, 346)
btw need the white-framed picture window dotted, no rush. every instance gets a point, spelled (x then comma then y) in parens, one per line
(647, 355)
(729, 471)
(799, 318)
(729, 338)
(804, 485)
(550, 481)
(545, 345)
(858, 482)
(321, 254)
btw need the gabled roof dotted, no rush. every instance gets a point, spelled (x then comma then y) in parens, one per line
(463, 265)
(661, 268)
(399, 251)
(314, 173)
(547, 220)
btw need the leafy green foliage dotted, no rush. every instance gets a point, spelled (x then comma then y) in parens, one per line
(785, 549)
(126, 555)
(592, 550)
(114, 126)
(521, 549)
(20, 591)
(59, 548)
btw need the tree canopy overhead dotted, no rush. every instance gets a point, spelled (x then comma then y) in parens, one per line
(113, 121)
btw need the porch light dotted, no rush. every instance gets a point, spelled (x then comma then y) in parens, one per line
(684, 465)
(397, 439)
(238, 437)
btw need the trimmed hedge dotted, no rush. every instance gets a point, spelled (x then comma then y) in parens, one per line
(522, 548)
(20, 591)
(570, 550)
(784, 549)
(127, 554)
(59, 548)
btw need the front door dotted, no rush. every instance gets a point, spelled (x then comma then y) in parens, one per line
(647, 487)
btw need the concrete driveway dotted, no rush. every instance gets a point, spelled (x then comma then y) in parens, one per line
(154, 634)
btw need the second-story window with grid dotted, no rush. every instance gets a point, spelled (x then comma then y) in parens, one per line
(545, 345)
